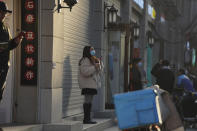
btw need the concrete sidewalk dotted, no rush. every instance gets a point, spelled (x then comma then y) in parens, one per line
(114, 128)
(21, 127)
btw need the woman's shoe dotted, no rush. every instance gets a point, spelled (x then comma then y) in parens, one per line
(87, 118)
(89, 122)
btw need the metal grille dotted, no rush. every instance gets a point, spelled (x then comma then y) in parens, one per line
(77, 28)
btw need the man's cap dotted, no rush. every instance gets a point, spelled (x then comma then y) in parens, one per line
(3, 7)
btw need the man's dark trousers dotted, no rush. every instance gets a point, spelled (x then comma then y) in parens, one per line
(3, 75)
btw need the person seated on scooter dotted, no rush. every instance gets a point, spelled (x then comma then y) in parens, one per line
(188, 105)
(184, 82)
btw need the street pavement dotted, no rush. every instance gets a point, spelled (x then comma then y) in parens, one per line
(115, 128)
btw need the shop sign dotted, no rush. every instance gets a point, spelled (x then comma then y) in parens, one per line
(29, 18)
(30, 36)
(29, 75)
(29, 49)
(151, 12)
(29, 5)
(29, 46)
(29, 62)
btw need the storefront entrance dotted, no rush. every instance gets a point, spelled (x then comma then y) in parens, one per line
(19, 102)
(115, 67)
(6, 105)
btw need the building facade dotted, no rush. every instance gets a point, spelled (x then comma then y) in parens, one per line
(175, 30)
(59, 40)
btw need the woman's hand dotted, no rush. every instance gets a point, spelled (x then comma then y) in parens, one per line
(95, 59)
(98, 66)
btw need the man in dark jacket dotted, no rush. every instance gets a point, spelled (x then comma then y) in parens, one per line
(6, 44)
(156, 68)
(166, 77)
(136, 79)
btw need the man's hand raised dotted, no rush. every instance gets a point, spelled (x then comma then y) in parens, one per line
(18, 39)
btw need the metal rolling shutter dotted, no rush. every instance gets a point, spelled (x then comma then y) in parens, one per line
(77, 34)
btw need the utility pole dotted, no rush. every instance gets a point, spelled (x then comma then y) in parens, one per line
(126, 71)
(125, 22)
(131, 43)
(143, 29)
(157, 24)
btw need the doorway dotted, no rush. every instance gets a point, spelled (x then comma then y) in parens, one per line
(113, 74)
(25, 107)
(6, 106)
(115, 66)
(17, 56)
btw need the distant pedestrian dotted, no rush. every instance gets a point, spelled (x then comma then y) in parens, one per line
(6, 44)
(184, 82)
(165, 77)
(156, 68)
(89, 79)
(136, 82)
(189, 108)
(136, 78)
(143, 77)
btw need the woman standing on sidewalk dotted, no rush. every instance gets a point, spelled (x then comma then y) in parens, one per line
(89, 79)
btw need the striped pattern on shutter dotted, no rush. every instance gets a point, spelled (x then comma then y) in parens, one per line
(77, 28)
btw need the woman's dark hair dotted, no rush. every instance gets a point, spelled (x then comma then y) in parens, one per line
(86, 53)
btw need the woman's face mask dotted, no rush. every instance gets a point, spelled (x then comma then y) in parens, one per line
(140, 64)
(93, 52)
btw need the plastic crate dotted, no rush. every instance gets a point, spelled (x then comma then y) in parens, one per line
(136, 109)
